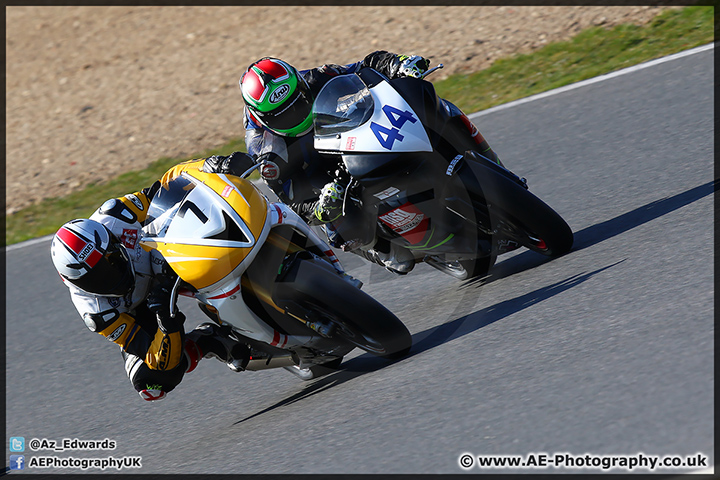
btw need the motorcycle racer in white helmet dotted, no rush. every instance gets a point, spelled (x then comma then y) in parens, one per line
(123, 292)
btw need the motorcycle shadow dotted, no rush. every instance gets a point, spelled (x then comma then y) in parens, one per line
(432, 338)
(349, 370)
(599, 232)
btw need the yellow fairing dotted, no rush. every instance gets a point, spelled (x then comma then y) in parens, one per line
(203, 257)
(202, 266)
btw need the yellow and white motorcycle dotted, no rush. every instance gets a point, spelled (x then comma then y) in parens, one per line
(257, 267)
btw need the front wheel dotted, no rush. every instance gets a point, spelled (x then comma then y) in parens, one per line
(354, 316)
(514, 212)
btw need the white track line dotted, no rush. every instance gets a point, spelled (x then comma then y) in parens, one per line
(590, 81)
(28, 243)
(505, 106)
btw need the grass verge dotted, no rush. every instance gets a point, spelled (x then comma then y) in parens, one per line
(594, 51)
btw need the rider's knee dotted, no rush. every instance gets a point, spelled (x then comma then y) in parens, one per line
(153, 385)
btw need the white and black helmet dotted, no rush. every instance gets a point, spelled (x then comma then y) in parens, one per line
(89, 256)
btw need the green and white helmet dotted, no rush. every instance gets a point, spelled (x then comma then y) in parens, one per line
(277, 97)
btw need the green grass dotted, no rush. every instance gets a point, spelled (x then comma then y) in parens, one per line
(592, 52)
(47, 216)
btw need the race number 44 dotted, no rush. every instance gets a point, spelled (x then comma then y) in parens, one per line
(398, 118)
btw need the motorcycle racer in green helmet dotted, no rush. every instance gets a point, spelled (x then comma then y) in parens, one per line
(278, 134)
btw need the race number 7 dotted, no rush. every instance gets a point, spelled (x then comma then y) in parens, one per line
(387, 136)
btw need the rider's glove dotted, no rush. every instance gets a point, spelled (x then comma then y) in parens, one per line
(412, 66)
(270, 169)
(158, 301)
(329, 206)
(235, 164)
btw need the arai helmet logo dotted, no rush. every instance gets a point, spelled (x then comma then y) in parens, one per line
(279, 95)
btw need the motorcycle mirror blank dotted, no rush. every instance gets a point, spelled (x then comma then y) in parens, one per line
(440, 65)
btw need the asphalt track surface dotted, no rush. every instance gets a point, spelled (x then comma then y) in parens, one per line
(605, 351)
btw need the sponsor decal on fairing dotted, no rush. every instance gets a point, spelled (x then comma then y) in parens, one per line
(408, 221)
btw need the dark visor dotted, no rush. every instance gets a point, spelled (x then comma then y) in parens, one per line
(112, 275)
(292, 113)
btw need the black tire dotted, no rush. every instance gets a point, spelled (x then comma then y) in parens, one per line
(515, 212)
(360, 319)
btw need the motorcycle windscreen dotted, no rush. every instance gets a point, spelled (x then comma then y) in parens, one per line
(344, 103)
(199, 234)
(349, 117)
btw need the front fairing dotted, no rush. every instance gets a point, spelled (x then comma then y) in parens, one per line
(206, 226)
(349, 117)
(398, 140)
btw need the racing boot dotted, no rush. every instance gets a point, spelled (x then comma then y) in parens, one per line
(214, 341)
(394, 258)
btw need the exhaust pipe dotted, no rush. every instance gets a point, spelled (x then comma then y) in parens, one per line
(275, 361)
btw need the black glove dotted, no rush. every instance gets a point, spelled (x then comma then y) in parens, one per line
(236, 163)
(158, 301)
(275, 170)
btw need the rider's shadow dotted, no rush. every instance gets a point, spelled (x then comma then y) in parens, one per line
(463, 325)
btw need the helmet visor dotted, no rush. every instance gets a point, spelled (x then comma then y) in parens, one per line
(112, 275)
(291, 113)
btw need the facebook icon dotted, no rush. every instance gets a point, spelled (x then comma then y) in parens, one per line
(17, 462)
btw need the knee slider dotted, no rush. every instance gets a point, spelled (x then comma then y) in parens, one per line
(152, 395)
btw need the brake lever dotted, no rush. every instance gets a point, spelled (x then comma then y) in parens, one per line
(174, 297)
(252, 169)
(437, 67)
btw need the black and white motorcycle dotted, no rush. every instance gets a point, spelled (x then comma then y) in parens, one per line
(414, 178)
